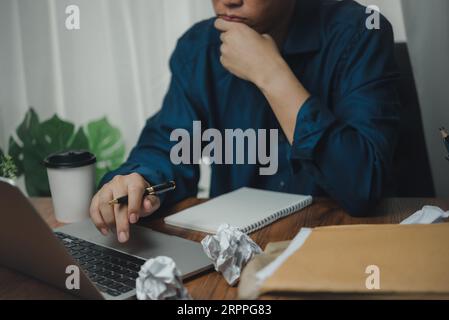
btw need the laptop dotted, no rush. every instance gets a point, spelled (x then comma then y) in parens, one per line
(107, 269)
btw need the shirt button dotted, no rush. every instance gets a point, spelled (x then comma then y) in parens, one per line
(282, 184)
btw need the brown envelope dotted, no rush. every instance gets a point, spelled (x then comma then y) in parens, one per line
(412, 259)
(248, 284)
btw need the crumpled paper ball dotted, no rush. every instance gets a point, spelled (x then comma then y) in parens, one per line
(427, 215)
(160, 279)
(230, 250)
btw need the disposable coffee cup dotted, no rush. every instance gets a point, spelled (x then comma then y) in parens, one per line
(71, 177)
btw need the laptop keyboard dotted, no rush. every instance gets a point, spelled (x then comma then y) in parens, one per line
(112, 272)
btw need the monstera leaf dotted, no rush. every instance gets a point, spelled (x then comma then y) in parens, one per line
(105, 141)
(38, 140)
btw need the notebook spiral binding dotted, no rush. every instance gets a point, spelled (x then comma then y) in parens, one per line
(276, 216)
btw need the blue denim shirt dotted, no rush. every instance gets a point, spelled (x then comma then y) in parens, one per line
(345, 133)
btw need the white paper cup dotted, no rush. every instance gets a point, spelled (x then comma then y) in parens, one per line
(72, 184)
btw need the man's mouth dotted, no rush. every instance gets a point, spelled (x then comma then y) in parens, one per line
(232, 18)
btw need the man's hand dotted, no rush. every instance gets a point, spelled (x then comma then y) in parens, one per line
(256, 58)
(107, 217)
(247, 54)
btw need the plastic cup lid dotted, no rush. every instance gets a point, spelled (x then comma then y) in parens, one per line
(70, 159)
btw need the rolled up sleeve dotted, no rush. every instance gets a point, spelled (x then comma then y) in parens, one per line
(313, 120)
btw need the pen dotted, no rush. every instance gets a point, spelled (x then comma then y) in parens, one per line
(445, 136)
(151, 191)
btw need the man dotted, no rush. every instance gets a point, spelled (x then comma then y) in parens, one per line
(310, 68)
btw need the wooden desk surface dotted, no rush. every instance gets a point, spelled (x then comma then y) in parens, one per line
(211, 284)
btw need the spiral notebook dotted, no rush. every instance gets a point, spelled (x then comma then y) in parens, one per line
(246, 209)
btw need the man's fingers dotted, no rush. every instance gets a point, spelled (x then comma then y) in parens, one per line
(146, 205)
(135, 195)
(267, 36)
(122, 223)
(121, 218)
(96, 216)
(106, 210)
(223, 25)
(150, 205)
(223, 37)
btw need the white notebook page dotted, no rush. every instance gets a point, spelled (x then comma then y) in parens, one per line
(243, 208)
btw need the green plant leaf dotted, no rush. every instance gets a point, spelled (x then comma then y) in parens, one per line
(1, 162)
(35, 141)
(8, 168)
(27, 132)
(106, 142)
(15, 151)
(36, 179)
(56, 134)
(28, 129)
(79, 141)
(39, 140)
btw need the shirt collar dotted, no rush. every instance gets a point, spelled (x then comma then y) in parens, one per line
(305, 29)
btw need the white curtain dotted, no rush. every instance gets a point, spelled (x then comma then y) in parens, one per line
(116, 65)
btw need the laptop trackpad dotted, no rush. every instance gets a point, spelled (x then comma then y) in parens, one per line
(146, 243)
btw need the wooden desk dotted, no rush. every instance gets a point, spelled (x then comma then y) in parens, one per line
(211, 285)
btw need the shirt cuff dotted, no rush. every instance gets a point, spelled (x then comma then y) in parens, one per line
(312, 123)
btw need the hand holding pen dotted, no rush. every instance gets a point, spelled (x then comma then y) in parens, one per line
(150, 191)
(123, 201)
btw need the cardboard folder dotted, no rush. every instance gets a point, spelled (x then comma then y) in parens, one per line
(411, 259)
